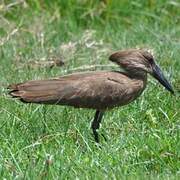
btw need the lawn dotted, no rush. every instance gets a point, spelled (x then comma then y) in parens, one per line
(56, 142)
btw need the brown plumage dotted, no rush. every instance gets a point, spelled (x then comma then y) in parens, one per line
(99, 90)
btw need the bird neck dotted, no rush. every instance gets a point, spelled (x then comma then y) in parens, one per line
(140, 75)
(139, 80)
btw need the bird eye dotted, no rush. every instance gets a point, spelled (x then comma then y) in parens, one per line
(148, 57)
(151, 60)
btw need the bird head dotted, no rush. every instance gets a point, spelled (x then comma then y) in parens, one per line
(139, 61)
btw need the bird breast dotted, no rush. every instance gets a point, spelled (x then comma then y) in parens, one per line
(106, 90)
(122, 92)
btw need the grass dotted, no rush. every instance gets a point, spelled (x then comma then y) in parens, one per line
(51, 142)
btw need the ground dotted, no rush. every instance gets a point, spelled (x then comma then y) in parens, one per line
(37, 142)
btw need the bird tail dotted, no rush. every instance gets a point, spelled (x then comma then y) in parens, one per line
(45, 92)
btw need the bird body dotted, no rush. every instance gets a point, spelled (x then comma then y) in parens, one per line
(100, 90)
(96, 90)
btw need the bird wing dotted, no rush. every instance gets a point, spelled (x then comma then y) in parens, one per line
(97, 90)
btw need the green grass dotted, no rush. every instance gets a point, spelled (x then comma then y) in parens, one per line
(55, 142)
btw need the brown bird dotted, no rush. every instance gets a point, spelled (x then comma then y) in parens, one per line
(99, 90)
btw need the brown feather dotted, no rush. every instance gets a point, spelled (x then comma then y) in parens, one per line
(97, 90)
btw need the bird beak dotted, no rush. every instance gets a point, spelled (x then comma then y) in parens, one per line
(157, 73)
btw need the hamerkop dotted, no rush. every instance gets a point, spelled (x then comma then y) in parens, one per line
(99, 90)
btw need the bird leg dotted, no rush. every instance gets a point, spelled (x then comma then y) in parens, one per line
(96, 123)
